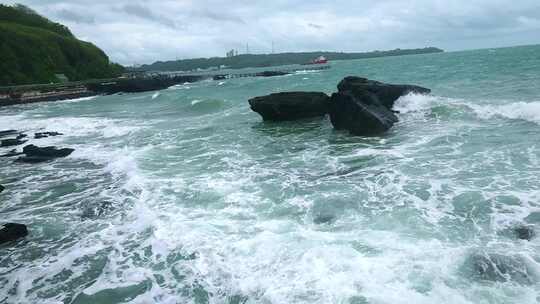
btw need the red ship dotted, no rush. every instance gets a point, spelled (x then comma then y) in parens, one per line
(318, 60)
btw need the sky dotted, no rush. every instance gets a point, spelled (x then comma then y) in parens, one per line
(138, 32)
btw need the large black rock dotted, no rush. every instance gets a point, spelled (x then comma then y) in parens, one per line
(364, 107)
(360, 114)
(35, 154)
(2, 188)
(11, 232)
(384, 93)
(290, 105)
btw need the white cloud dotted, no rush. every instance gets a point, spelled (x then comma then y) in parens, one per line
(146, 31)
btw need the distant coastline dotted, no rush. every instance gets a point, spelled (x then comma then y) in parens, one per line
(268, 60)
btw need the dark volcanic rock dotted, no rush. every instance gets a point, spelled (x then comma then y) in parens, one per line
(384, 93)
(364, 107)
(21, 136)
(360, 114)
(499, 268)
(524, 232)
(2, 188)
(11, 142)
(46, 134)
(36, 154)
(11, 232)
(8, 133)
(290, 105)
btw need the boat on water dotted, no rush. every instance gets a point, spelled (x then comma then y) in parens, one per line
(318, 60)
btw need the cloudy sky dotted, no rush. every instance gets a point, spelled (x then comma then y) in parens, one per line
(133, 31)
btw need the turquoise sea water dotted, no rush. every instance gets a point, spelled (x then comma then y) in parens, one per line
(208, 204)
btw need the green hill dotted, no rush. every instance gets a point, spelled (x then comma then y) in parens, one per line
(33, 49)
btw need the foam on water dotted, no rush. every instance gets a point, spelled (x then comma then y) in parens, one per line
(213, 206)
(529, 111)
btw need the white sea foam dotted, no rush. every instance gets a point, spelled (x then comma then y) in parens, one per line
(529, 111)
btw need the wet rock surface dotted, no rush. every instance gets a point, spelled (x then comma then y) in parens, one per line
(11, 142)
(46, 134)
(360, 114)
(5, 133)
(384, 93)
(290, 105)
(12, 231)
(35, 154)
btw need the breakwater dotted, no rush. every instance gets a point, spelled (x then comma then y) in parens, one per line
(150, 82)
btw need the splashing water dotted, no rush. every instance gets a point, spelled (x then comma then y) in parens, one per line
(186, 196)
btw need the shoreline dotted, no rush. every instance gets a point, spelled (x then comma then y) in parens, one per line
(56, 92)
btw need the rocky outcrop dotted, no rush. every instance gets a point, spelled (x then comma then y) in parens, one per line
(290, 105)
(360, 114)
(385, 94)
(11, 142)
(364, 107)
(11, 232)
(2, 188)
(35, 154)
(46, 134)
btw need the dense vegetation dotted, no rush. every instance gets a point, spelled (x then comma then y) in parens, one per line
(33, 49)
(266, 60)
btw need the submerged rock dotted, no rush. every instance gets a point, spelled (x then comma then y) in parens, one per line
(324, 219)
(2, 188)
(5, 133)
(12, 153)
(385, 94)
(499, 268)
(524, 232)
(21, 136)
(11, 142)
(290, 105)
(46, 134)
(35, 154)
(11, 232)
(364, 107)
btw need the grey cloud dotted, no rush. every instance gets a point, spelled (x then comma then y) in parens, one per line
(146, 13)
(74, 16)
(315, 26)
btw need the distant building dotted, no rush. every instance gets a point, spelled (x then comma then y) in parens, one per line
(232, 53)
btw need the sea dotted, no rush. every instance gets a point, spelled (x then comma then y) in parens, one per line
(186, 196)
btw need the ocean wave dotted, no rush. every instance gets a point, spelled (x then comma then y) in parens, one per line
(529, 111)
